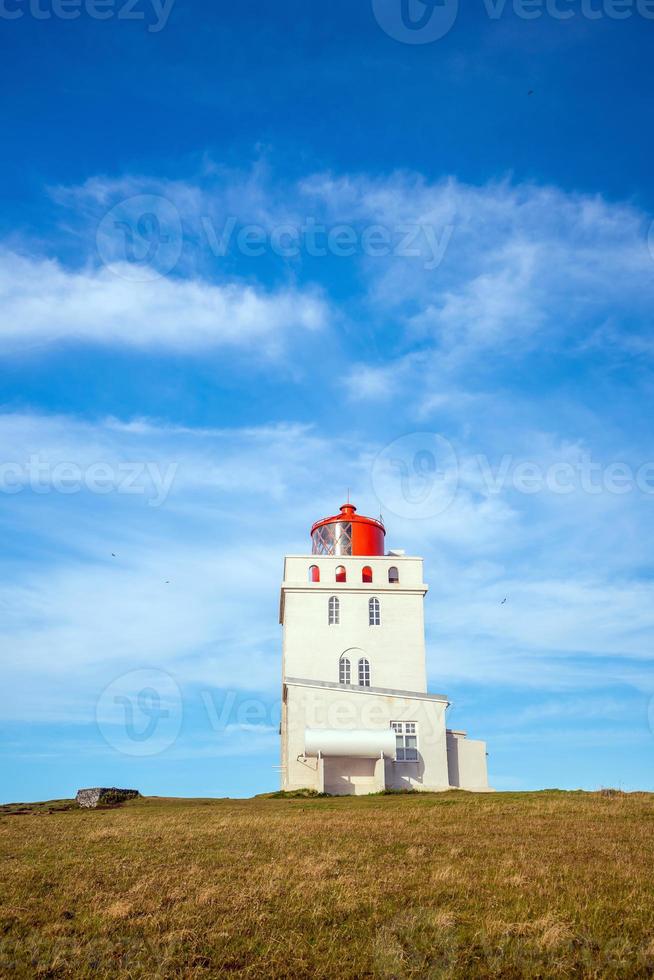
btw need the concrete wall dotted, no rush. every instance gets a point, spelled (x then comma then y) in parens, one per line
(466, 760)
(339, 708)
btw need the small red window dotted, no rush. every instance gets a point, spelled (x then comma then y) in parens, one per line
(314, 573)
(340, 573)
(366, 574)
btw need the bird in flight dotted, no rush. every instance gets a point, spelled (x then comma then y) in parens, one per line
(503, 600)
(112, 555)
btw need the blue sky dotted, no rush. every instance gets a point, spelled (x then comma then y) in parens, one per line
(253, 255)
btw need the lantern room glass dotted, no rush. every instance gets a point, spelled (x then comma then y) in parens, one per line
(332, 539)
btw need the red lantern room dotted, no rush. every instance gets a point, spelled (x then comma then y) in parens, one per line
(348, 533)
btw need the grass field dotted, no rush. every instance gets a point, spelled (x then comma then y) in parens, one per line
(447, 885)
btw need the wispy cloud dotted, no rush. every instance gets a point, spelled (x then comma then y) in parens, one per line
(44, 302)
(530, 277)
(191, 585)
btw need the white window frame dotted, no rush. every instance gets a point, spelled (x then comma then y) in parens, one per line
(344, 670)
(374, 612)
(363, 672)
(406, 740)
(333, 611)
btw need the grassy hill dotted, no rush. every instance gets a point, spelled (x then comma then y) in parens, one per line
(447, 885)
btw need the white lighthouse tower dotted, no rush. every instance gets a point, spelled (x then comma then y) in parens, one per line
(356, 713)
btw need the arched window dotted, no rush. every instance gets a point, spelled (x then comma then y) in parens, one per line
(340, 573)
(364, 673)
(334, 612)
(314, 573)
(393, 575)
(366, 574)
(344, 671)
(374, 612)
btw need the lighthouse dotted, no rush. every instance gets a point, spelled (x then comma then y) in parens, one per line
(356, 713)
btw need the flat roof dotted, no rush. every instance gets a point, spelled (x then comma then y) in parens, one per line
(358, 689)
(362, 557)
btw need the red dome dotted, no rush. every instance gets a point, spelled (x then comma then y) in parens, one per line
(348, 533)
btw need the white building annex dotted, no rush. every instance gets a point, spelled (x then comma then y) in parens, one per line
(356, 713)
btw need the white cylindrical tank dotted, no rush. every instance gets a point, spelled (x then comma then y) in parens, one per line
(355, 744)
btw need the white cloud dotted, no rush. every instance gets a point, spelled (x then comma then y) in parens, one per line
(193, 588)
(523, 264)
(43, 302)
(525, 268)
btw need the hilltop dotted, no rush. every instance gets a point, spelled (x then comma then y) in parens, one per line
(444, 885)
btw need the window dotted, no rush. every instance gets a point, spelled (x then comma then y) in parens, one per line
(332, 539)
(364, 673)
(374, 612)
(366, 574)
(334, 612)
(340, 573)
(344, 671)
(314, 573)
(393, 575)
(406, 740)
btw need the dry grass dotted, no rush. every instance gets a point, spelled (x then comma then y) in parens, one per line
(450, 885)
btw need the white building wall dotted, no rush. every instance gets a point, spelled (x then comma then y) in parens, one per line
(467, 764)
(341, 709)
(395, 649)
